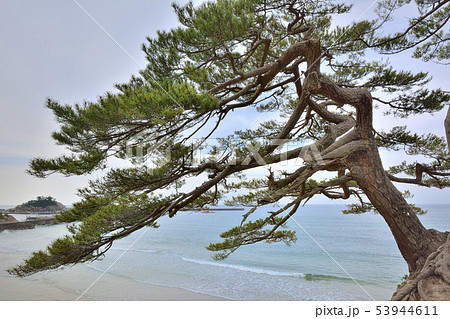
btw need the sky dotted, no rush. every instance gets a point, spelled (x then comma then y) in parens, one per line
(52, 48)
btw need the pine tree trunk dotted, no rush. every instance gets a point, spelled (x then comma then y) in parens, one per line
(429, 279)
(447, 128)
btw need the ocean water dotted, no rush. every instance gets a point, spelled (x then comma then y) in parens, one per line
(336, 256)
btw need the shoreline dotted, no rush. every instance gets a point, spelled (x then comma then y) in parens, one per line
(27, 224)
(31, 213)
(68, 284)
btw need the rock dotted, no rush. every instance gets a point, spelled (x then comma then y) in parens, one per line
(7, 219)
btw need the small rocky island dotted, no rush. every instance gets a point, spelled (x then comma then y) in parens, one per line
(41, 206)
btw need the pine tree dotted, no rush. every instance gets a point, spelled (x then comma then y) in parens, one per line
(281, 57)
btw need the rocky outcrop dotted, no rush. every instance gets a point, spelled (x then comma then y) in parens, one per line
(7, 219)
(53, 208)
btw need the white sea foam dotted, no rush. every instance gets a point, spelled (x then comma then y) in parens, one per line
(94, 267)
(148, 251)
(245, 268)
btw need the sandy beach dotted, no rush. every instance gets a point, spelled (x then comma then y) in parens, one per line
(70, 283)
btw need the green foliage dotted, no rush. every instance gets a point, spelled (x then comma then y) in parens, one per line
(419, 102)
(426, 33)
(359, 208)
(40, 201)
(404, 280)
(417, 210)
(252, 232)
(254, 183)
(436, 172)
(392, 80)
(251, 198)
(399, 137)
(265, 131)
(223, 29)
(429, 146)
(135, 116)
(364, 207)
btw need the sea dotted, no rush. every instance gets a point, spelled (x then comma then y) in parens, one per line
(336, 256)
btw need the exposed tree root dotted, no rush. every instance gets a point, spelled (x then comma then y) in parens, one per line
(432, 282)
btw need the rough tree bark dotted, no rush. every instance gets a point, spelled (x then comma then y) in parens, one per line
(447, 128)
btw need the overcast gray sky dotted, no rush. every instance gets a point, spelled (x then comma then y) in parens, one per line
(51, 48)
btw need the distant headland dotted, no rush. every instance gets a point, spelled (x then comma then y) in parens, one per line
(41, 204)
